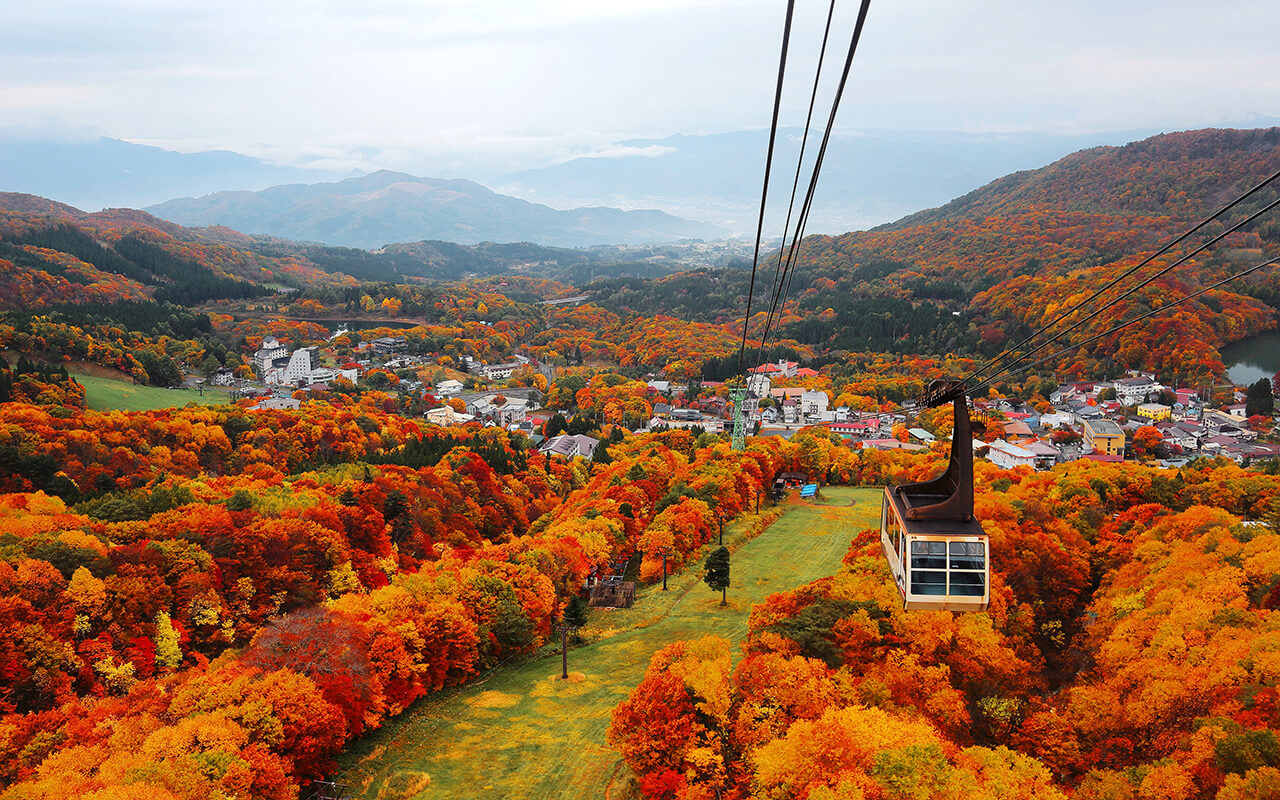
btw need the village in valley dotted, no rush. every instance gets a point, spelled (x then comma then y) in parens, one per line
(1134, 417)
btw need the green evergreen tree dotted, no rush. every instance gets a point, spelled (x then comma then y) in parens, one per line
(575, 613)
(601, 454)
(717, 576)
(1259, 400)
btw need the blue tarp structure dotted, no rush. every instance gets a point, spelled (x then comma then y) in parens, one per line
(809, 490)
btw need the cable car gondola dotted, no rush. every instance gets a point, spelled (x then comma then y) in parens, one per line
(937, 551)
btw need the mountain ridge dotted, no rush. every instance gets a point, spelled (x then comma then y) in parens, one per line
(106, 172)
(1110, 176)
(386, 207)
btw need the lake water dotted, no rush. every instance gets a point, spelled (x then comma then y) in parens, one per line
(1250, 360)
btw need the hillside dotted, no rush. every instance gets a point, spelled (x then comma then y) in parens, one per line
(52, 253)
(385, 207)
(1180, 174)
(989, 267)
(966, 278)
(1021, 249)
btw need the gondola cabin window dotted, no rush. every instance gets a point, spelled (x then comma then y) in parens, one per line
(948, 568)
(928, 568)
(967, 568)
(892, 530)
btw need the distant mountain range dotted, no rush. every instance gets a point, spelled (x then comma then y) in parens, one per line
(977, 271)
(110, 173)
(868, 177)
(54, 254)
(385, 207)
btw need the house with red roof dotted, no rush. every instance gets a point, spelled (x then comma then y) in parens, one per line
(785, 369)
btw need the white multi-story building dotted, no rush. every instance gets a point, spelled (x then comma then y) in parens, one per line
(277, 404)
(303, 362)
(326, 375)
(790, 412)
(267, 354)
(1135, 390)
(813, 403)
(782, 369)
(1007, 456)
(759, 384)
(497, 372)
(444, 415)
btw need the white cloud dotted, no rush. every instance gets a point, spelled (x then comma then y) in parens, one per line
(625, 151)
(468, 84)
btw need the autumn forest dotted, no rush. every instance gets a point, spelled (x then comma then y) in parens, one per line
(249, 588)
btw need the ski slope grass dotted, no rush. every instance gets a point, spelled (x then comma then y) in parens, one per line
(524, 733)
(106, 394)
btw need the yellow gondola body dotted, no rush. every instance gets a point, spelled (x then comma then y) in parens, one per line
(937, 551)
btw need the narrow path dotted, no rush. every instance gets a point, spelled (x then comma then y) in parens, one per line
(523, 733)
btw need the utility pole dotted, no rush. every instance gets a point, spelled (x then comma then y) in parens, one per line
(574, 617)
(563, 628)
(738, 397)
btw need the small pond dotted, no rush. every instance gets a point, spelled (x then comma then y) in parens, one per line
(1252, 359)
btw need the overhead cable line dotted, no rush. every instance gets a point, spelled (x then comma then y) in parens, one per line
(795, 184)
(768, 164)
(1066, 350)
(992, 378)
(977, 373)
(807, 206)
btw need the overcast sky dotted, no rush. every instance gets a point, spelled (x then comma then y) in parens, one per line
(509, 83)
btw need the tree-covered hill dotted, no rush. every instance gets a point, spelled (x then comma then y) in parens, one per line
(1184, 174)
(968, 277)
(1013, 255)
(373, 210)
(53, 254)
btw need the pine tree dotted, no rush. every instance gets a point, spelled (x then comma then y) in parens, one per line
(575, 613)
(717, 576)
(1259, 399)
(601, 454)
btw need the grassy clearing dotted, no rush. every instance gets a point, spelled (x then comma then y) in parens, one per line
(105, 394)
(523, 733)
